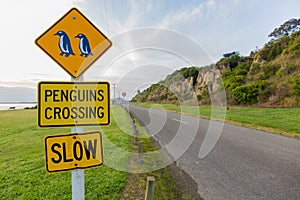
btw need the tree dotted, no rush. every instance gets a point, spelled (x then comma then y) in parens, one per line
(287, 28)
(193, 72)
(234, 53)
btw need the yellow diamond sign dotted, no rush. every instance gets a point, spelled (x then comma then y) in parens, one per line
(73, 42)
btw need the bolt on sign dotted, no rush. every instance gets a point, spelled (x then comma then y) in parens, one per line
(73, 104)
(73, 151)
(74, 42)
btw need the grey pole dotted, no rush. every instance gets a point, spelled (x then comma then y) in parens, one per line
(77, 175)
(150, 188)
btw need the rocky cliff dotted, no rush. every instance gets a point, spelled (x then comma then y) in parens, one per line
(268, 77)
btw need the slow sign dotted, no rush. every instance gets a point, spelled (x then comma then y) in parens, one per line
(73, 104)
(73, 151)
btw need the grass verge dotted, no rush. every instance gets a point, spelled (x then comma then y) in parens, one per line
(165, 185)
(22, 162)
(284, 121)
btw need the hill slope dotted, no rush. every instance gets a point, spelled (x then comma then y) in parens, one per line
(268, 77)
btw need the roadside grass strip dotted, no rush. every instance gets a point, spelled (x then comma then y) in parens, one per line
(22, 161)
(284, 121)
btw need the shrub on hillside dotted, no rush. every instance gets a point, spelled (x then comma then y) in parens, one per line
(246, 94)
(296, 86)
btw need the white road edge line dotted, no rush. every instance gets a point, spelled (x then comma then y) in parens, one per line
(177, 120)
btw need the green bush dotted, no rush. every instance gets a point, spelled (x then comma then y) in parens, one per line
(290, 68)
(269, 70)
(296, 86)
(193, 72)
(190, 72)
(269, 53)
(293, 46)
(255, 68)
(185, 72)
(243, 68)
(233, 81)
(226, 73)
(199, 97)
(245, 94)
(231, 62)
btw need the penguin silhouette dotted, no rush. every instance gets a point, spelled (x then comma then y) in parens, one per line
(64, 44)
(84, 45)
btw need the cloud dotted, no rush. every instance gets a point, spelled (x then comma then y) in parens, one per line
(182, 16)
(205, 13)
(211, 4)
(21, 23)
(115, 17)
(40, 74)
(136, 15)
(26, 84)
(189, 15)
(17, 94)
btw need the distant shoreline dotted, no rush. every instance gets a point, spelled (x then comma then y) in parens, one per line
(17, 105)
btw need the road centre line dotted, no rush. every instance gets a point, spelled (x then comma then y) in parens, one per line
(177, 120)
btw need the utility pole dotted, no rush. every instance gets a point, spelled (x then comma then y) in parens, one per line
(114, 91)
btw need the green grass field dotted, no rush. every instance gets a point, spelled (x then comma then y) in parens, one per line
(277, 120)
(22, 162)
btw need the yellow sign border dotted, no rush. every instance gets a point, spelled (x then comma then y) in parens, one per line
(49, 29)
(72, 134)
(73, 83)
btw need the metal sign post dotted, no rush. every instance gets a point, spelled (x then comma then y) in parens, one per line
(78, 184)
(77, 175)
(74, 43)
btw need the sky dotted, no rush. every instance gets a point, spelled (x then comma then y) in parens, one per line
(151, 39)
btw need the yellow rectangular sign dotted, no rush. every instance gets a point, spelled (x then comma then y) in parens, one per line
(73, 104)
(73, 151)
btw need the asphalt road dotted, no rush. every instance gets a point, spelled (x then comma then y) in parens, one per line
(244, 163)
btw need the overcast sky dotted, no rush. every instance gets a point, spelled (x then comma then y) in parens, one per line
(150, 38)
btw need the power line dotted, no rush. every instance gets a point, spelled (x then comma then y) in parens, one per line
(114, 85)
(106, 18)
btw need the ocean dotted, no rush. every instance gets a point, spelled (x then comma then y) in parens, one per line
(15, 106)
